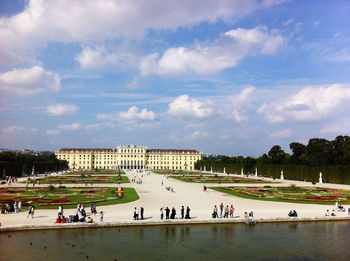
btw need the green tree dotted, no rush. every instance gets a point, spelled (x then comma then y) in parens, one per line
(276, 154)
(299, 153)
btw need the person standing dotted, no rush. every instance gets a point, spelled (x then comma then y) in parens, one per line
(221, 209)
(182, 212)
(215, 212)
(226, 212)
(161, 213)
(173, 213)
(187, 213)
(232, 210)
(15, 207)
(141, 212)
(101, 216)
(167, 212)
(19, 206)
(60, 211)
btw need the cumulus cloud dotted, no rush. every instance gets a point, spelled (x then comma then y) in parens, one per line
(13, 129)
(100, 20)
(310, 103)
(78, 126)
(99, 57)
(132, 118)
(29, 81)
(239, 106)
(183, 106)
(62, 109)
(226, 52)
(285, 133)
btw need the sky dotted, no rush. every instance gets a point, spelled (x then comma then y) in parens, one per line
(230, 77)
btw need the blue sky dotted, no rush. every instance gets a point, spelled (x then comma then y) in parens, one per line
(227, 77)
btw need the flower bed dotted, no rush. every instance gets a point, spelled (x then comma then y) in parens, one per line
(291, 194)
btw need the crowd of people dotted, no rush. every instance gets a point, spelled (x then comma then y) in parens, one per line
(225, 212)
(171, 214)
(11, 207)
(138, 213)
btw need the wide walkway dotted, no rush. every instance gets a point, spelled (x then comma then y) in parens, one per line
(153, 196)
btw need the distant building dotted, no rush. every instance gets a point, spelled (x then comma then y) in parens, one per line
(129, 157)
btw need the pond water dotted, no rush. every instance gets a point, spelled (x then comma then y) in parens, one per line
(292, 241)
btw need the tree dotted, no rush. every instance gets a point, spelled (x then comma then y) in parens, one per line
(276, 154)
(299, 153)
(319, 152)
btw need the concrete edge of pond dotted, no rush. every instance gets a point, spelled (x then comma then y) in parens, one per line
(164, 222)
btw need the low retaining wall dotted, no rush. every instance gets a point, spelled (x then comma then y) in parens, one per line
(164, 222)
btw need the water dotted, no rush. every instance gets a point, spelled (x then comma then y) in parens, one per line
(295, 241)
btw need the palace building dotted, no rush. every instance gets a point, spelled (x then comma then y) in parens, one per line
(129, 157)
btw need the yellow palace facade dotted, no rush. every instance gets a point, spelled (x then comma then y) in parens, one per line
(129, 157)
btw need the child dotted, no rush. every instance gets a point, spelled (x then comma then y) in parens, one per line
(101, 216)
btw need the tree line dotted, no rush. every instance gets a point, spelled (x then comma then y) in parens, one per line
(18, 164)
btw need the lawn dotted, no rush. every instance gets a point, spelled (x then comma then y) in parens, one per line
(218, 179)
(292, 194)
(179, 172)
(52, 197)
(79, 179)
(97, 172)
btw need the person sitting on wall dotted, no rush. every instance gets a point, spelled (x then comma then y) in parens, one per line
(90, 220)
(295, 214)
(333, 213)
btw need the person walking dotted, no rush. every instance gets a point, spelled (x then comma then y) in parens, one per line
(182, 212)
(19, 206)
(31, 211)
(15, 207)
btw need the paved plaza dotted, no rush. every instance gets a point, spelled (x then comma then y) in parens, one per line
(154, 195)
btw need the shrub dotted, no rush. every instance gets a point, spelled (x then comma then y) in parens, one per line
(293, 186)
(3, 182)
(51, 187)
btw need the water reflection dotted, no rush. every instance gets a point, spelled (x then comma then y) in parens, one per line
(292, 241)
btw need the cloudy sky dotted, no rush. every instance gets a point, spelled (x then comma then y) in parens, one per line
(230, 77)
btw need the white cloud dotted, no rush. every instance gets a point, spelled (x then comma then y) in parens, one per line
(239, 106)
(100, 58)
(100, 20)
(13, 129)
(285, 133)
(78, 126)
(29, 81)
(134, 114)
(183, 106)
(226, 52)
(132, 118)
(310, 103)
(53, 132)
(70, 127)
(62, 109)
(196, 135)
(340, 127)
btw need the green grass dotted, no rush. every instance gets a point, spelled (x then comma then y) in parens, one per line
(218, 179)
(96, 172)
(80, 179)
(241, 195)
(74, 195)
